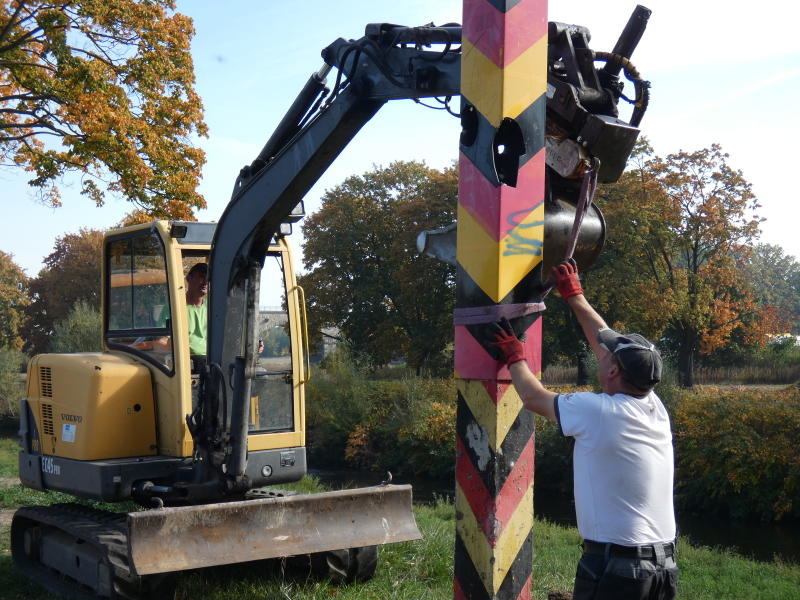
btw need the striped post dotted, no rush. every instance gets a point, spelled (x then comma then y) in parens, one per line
(499, 253)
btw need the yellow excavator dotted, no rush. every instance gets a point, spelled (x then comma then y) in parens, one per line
(129, 424)
(199, 440)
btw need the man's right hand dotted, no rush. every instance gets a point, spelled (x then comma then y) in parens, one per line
(566, 276)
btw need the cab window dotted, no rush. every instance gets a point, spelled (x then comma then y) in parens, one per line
(137, 292)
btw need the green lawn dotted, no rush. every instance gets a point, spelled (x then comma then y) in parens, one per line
(421, 570)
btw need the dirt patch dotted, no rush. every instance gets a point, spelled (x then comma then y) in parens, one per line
(9, 481)
(5, 516)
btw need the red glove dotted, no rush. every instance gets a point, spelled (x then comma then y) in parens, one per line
(511, 347)
(566, 276)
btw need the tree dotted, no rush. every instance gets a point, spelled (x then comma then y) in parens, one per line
(12, 382)
(80, 331)
(70, 273)
(13, 301)
(104, 89)
(677, 229)
(364, 273)
(776, 281)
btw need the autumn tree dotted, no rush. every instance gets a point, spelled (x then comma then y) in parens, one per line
(13, 301)
(105, 90)
(677, 228)
(364, 273)
(71, 273)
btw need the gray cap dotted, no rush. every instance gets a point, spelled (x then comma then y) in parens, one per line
(200, 267)
(639, 359)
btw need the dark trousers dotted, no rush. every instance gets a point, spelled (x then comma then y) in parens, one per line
(610, 572)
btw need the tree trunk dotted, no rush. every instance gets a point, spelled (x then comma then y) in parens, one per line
(686, 357)
(584, 376)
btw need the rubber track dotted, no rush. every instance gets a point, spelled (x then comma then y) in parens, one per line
(106, 531)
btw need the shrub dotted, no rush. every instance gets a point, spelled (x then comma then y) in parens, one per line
(12, 381)
(737, 452)
(553, 459)
(79, 332)
(403, 425)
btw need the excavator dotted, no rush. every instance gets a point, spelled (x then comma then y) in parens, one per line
(197, 443)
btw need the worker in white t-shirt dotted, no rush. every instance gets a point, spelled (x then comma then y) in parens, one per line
(623, 460)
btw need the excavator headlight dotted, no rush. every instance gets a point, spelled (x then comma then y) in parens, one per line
(266, 471)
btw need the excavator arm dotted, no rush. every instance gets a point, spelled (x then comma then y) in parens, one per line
(389, 62)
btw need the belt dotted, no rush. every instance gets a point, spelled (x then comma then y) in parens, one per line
(646, 551)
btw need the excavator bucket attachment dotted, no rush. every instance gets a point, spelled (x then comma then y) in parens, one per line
(190, 537)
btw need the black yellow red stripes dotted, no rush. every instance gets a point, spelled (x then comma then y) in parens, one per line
(494, 491)
(499, 255)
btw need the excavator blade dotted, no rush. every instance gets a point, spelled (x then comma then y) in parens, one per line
(190, 537)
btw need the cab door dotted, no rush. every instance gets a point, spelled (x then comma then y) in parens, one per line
(277, 395)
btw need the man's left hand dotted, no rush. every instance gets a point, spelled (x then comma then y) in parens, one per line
(510, 345)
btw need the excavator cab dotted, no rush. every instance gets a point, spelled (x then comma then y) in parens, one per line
(146, 317)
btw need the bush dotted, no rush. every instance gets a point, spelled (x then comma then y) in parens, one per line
(12, 381)
(553, 459)
(80, 332)
(404, 425)
(737, 453)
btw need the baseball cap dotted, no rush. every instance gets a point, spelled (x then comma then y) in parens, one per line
(198, 268)
(639, 359)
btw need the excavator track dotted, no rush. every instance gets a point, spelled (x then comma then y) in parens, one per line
(79, 552)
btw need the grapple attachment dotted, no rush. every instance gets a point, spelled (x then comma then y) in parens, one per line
(179, 538)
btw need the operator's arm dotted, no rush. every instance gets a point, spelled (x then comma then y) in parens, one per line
(569, 286)
(591, 322)
(535, 397)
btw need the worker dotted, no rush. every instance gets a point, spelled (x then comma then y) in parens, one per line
(196, 292)
(622, 459)
(197, 318)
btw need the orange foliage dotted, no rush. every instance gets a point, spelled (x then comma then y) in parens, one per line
(677, 226)
(13, 301)
(113, 82)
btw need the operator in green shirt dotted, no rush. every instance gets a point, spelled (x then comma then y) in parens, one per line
(196, 292)
(197, 317)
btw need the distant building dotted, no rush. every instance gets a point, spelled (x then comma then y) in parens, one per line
(779, 338)
(271, 317)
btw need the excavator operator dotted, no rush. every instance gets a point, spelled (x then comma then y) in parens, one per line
(196, 292)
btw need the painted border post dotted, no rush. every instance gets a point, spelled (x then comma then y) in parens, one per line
(499, 254)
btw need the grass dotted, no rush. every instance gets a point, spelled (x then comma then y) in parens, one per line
(419, 570)
(423, 570)
(8, 457)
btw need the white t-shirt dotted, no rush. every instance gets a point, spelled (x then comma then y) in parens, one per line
(623, 466)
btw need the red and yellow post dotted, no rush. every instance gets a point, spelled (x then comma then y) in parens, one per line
(499, 255)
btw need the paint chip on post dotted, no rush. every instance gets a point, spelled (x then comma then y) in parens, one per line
(478, 440)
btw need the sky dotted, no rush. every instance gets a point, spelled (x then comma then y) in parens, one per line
(719, 74)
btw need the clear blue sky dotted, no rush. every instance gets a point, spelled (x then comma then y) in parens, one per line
(719, 74)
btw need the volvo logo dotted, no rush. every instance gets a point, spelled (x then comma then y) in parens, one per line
(71, 418)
